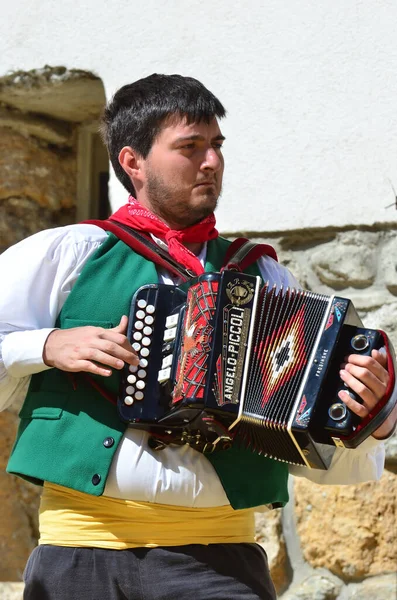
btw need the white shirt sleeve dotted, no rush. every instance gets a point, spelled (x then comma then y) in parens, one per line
(364, 463)
(37, 274)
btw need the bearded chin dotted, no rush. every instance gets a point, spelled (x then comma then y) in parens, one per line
(172, 206)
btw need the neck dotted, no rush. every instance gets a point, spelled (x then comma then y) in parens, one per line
(194, 247)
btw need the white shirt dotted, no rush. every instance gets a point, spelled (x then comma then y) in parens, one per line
(38, 274)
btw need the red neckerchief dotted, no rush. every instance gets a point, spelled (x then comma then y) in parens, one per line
(140, 218)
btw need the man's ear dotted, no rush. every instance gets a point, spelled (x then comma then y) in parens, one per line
(131, 162)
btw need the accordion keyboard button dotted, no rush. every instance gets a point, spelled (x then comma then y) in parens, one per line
(150, 309)
(164, 375)
(143, 363)
(141, 303)
(169, 334)
(147, 330)
(136, 346)
(140, 385)
(131, 378)
(171, 321)
(145, 352)
(139, 396)
(128, 400)
(146, 341)
(133, 368)
(137, 336)
(141, 373)
(138, 325)
(130, 389)
(167, 361)
(149, 320)
(140, 314)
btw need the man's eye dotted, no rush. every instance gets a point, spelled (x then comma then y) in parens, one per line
(187, 146)
(218, 145)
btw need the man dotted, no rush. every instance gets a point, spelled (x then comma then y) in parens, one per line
(117, 518)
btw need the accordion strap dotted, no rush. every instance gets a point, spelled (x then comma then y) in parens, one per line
(144, 245)
(242, 253)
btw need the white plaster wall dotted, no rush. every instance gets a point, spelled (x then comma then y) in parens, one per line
(310, 87)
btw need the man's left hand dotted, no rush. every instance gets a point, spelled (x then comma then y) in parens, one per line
(368, 378)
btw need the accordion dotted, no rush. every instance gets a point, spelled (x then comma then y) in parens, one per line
(226, 359)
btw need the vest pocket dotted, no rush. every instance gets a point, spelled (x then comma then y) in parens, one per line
(43, 405)
(68, 323)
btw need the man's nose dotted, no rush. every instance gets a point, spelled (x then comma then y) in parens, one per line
(212, 160)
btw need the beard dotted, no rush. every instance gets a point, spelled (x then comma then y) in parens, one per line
(173, 205)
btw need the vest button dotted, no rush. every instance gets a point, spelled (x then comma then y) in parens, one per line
(96, 479)
(108, 442)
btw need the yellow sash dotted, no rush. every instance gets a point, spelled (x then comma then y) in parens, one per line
(70, 518)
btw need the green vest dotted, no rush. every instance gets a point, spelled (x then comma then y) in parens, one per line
(68, 432)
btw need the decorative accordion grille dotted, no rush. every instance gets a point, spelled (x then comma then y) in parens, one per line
(286, 329)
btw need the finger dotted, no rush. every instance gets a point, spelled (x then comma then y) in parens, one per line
(368, 378)
(125, 353)
(359, 409)
(358, 387)
(98, 356)
(90, 367)
(122, 326)
(370, 363)
(380, 357)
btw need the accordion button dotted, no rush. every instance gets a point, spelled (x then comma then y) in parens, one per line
(140, 314)
(141, 303)
(138, 325)
(143, 363)
(167, 361)
(128, 400)
(136, 346)
(150, 309)
(145, 352)
(133, 368)
(137, 336)
(131, 378)
(146, 341)
(141, 373)
(130, 389)
(149, 320)
(139, 396)
(164, 375)
(169, 334)
(147, 330)
(171, 321)
(140, 385)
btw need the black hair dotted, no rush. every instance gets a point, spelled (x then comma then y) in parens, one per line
(137, 111)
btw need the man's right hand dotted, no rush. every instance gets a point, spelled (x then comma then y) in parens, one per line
(89, 349)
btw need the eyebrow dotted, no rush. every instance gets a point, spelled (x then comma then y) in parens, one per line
(198, 138)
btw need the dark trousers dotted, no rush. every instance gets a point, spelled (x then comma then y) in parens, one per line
(194, 572)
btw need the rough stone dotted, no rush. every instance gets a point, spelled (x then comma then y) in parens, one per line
(269, 535)
(28, 170)
(388, 265)
(349, 261)
(49, 130)
(19, 505)
(21, 217)
(69, 95)
(315, 587)
(10, 590)
(375, 588)
(384, 318)
(350, 530)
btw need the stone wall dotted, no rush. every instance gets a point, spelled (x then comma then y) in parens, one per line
(330, 543)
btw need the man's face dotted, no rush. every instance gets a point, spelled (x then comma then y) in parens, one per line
(182, 174)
